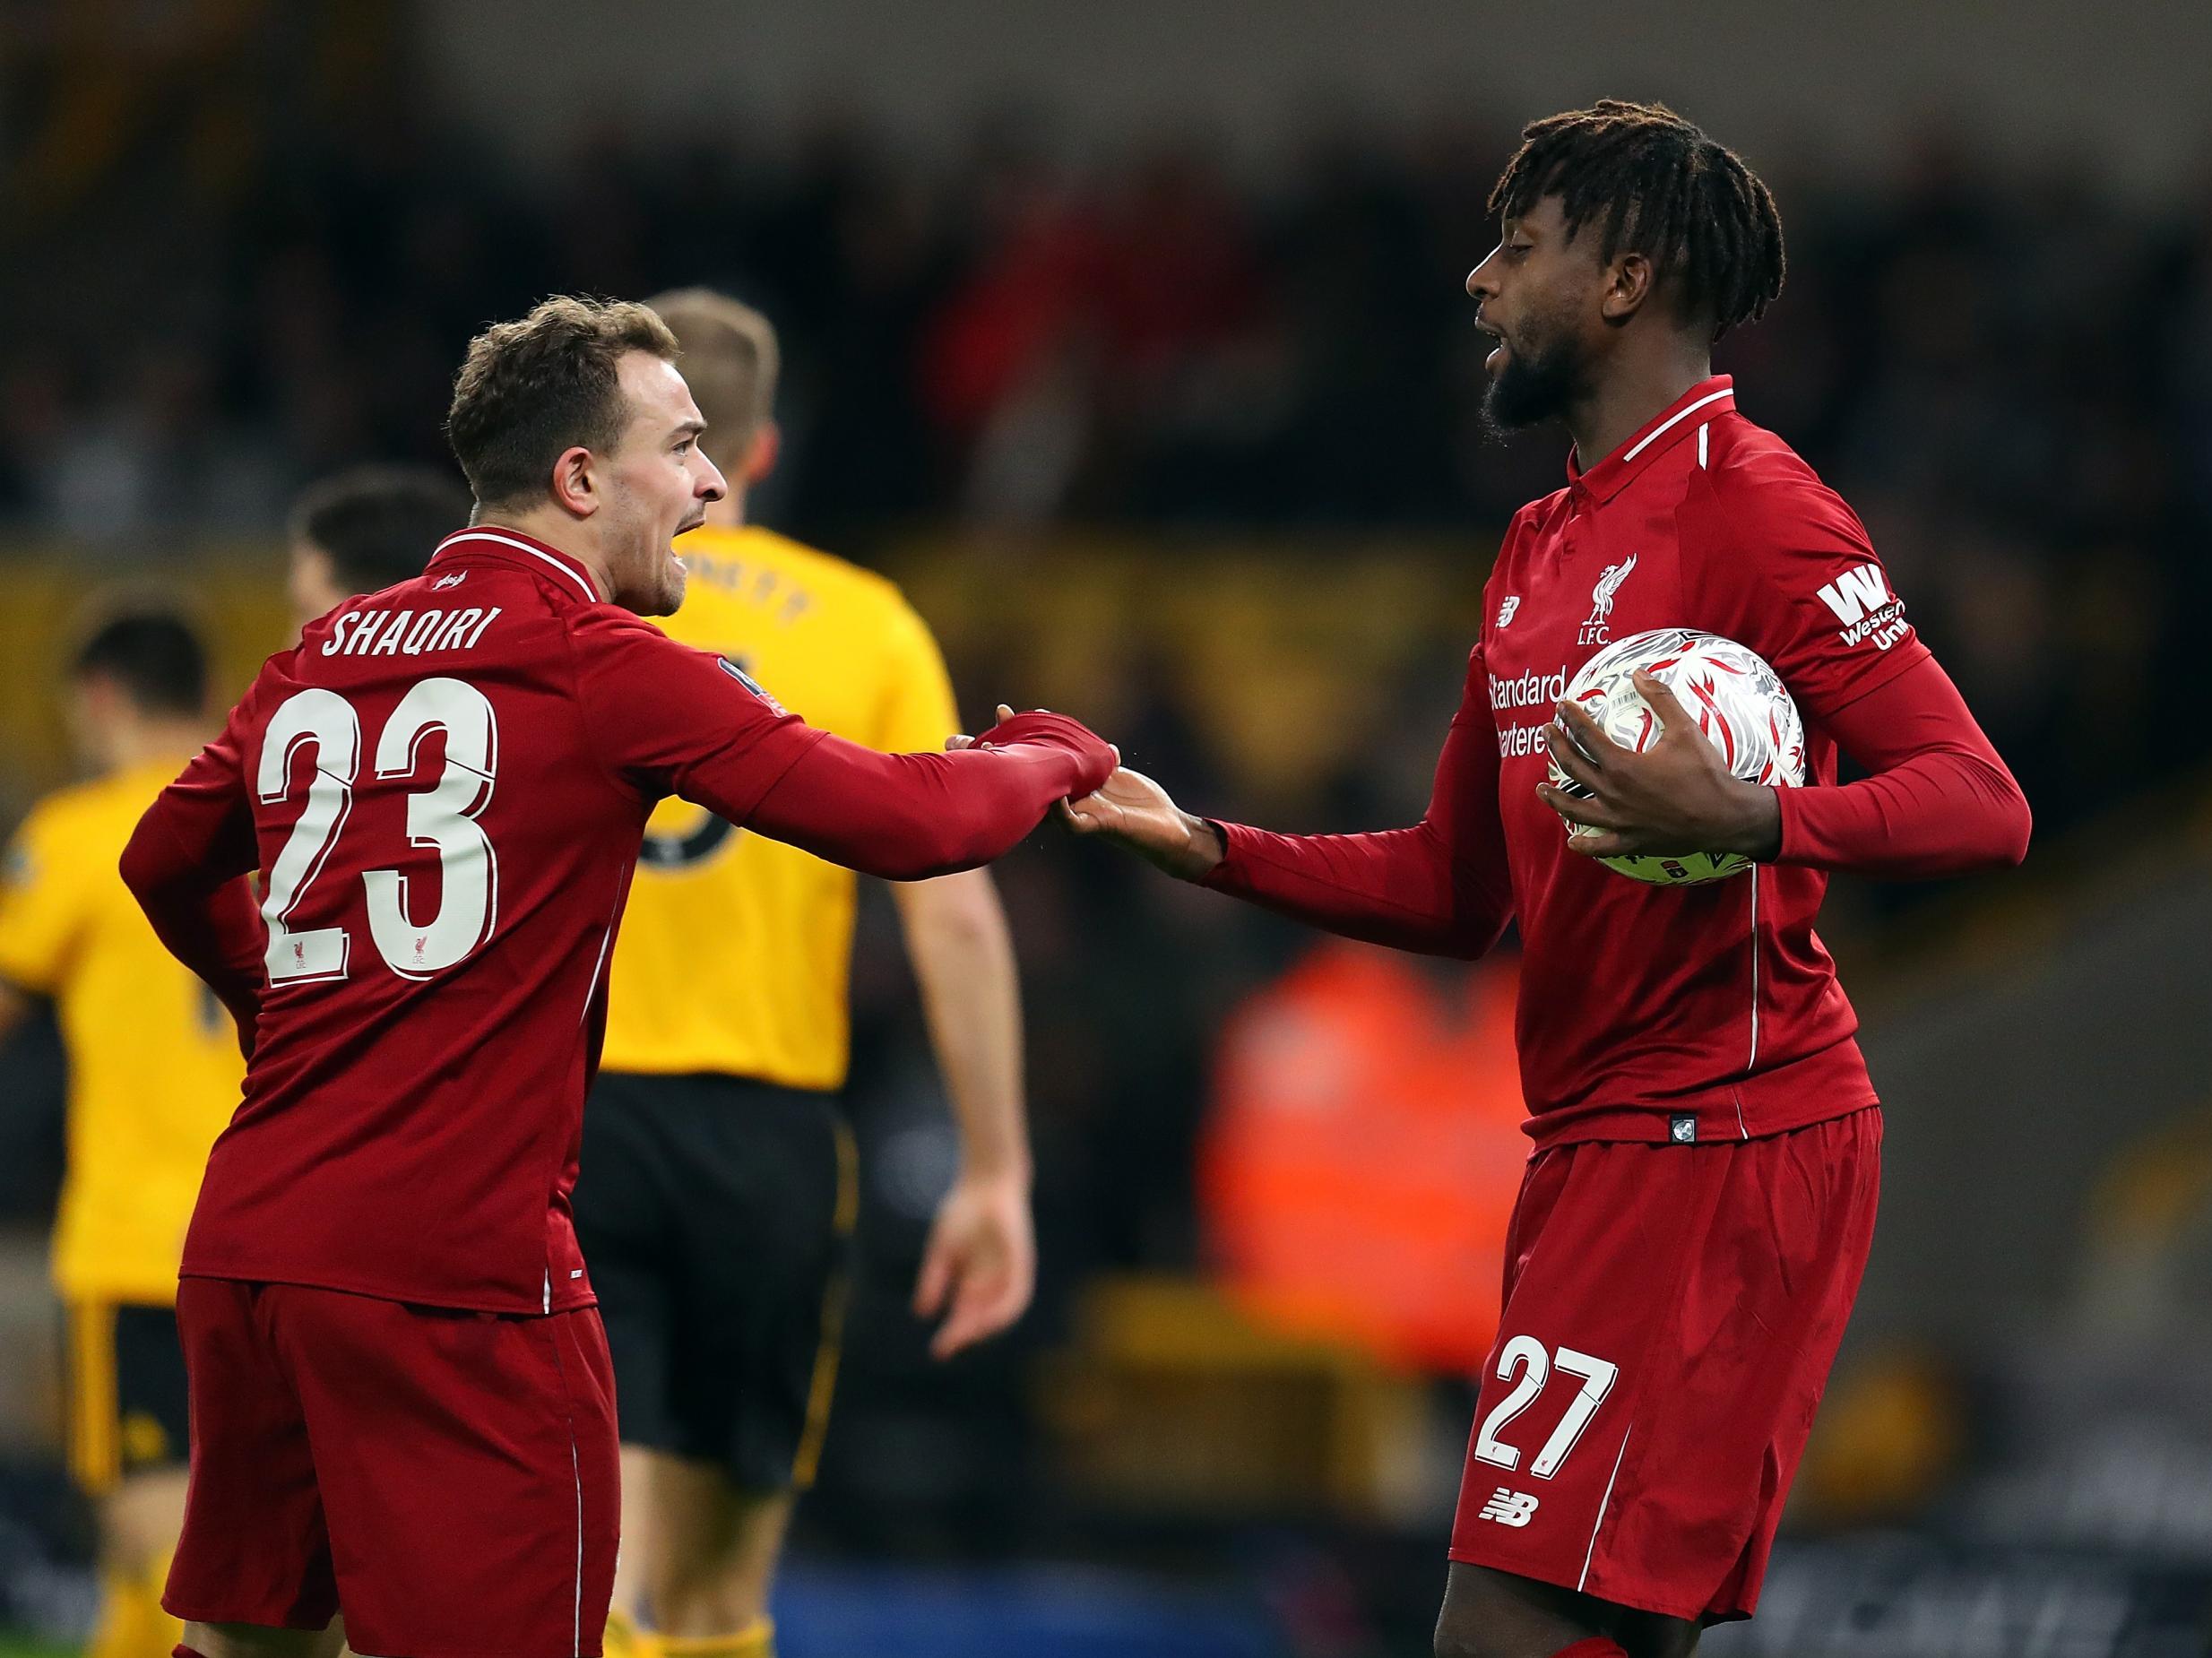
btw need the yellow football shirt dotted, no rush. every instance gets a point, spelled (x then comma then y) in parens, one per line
(153, 1059)
(735, 949)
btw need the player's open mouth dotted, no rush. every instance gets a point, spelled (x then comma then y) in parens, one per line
(1496, 357)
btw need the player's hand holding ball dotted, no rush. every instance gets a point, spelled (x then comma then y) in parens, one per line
(1660, 792)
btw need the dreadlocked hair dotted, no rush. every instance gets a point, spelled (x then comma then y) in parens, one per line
(1655, 183)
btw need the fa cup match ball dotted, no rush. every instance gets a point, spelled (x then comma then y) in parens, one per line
(1738, 702)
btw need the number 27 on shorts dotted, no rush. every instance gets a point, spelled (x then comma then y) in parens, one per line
(1535, 1364)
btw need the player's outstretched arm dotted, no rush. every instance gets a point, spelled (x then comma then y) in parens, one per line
(909, 817)
(1441, 887)
(666, 719)
(1134, 811)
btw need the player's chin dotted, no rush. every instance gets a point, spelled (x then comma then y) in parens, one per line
(1511, 402)
(668, 598)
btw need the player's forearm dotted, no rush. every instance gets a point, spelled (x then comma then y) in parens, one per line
(206, 919)
(1940, 801)
(1439, 888)
(1399, 887)
(1939, 813)
(964, 961)
(908, 818)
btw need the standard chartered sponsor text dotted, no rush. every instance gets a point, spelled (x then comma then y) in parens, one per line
(1515, 741)
(1528, 690)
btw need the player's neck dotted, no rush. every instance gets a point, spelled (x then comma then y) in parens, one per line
(1628, 396)
(151, 741)
(560, 532)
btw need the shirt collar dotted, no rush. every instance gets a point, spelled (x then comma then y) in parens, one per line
(511, 546)
(1700, 404)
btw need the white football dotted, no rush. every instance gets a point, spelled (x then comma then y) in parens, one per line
(1737, 701)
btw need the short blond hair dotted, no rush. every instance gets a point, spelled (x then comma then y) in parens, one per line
(731, 360)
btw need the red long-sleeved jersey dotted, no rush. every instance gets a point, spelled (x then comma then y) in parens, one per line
(1655, 1012)
(446, 784)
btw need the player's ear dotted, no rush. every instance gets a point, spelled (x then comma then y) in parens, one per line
(575, 487)
(767, 445)
(1628, 286)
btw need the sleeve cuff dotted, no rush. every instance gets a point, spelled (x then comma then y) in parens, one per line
(1788, 801)
(1223, 875)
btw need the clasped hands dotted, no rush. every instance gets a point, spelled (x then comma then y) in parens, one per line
(1672, 798)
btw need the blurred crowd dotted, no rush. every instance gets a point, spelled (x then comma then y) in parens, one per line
(2011, 379)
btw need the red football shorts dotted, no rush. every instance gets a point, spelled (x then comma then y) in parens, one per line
(449, 1479)
(1669, 1316)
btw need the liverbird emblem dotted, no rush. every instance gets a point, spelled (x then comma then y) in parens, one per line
(1598, 629)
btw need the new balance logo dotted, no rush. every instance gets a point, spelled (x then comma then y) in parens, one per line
(444, 581)
(1506, 610)
(1514, 1509)
(1853, 593)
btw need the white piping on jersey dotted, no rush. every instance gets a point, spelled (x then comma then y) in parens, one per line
(591, 989)
(1753, 1060)
(575, 1467)
(1602, 1503)
(1704, 433)
(590, 595)
(1675, 419)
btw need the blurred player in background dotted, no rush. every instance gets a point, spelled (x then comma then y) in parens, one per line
(401, 1401)
(367, 528)
(153, 1077)
(1692, 1227)
(719, 1210)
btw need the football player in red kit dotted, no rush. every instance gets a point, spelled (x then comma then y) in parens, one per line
(401, 1404)
(1696, 1211)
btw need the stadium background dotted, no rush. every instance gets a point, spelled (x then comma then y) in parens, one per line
(1130, 340)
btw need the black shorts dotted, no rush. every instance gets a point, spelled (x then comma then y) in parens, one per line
(716, 1214)
(127, 1411)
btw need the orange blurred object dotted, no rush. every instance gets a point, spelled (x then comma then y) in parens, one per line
(1363, 1153)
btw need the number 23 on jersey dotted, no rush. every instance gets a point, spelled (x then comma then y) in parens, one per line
(442, 816)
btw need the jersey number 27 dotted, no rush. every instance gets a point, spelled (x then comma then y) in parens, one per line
(443, 816)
